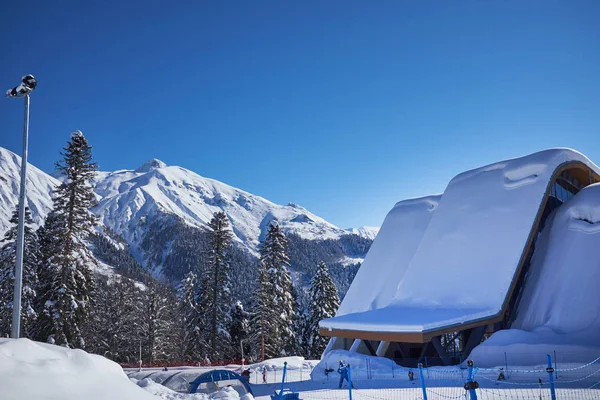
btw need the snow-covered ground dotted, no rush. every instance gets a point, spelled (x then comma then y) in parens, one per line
(36, 371)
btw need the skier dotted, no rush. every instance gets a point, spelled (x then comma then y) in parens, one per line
(411, 375)
(264, 371)
(343, 371)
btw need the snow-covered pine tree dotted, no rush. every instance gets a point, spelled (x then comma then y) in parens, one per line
(66, 296)
(111, 331)
(218, 288)
(239, 331)
(156, 323)
(324, 303)
(274, 255)
(262, 332)
(8, 258)
(189, 329)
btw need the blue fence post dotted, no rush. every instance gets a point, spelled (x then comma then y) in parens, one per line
(283, 381)
(350, 384)
(550, 372)
(471, 385)
(422, 381)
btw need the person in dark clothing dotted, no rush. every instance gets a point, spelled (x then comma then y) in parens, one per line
(343, 371)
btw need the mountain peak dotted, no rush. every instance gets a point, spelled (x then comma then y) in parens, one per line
(153, 164)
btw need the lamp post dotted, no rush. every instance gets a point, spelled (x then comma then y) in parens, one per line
(27, 85)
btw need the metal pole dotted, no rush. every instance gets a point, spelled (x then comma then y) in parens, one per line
(423, 388)
(242, 348)
(140, 354)
(550, 372)
(16, 316)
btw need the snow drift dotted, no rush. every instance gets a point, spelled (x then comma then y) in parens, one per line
(560, 307)
(32, 370)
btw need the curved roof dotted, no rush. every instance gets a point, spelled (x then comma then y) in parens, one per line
(463, 268)
(216, 376)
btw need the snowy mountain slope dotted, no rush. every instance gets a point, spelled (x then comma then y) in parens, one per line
(368, 232)
(131, 200)
(39, 189)
(160, 211)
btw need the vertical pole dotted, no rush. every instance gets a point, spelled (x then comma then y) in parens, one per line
(470, 385)
(283, 380)
(422, 381)
(550, 372)
(140, 354)
(350, 384)
(16, 316)
(242, 348)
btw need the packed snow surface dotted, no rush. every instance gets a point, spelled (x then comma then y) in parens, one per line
(38, 371)
(560, 306)
(463, 265)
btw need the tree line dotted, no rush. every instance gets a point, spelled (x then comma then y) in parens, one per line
(66, 303)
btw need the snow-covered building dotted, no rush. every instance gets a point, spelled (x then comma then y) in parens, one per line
(449, 270)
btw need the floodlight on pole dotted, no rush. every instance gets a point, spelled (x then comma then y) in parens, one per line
(27, 85)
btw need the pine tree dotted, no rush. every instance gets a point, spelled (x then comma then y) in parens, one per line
(324, 302)
(239, 331)
(190, 339)
(111, 331)
(217, 287)
(156, 323)
(67, 295)
(274, 256)
(262, 331)
(31, 259)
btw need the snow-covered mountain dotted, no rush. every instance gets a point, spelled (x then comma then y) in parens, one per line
(39, 189)
(160, 211)
(130, 200)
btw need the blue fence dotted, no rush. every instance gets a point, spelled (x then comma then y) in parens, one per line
(470, 382)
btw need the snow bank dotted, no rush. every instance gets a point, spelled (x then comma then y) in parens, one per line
(560, 307)
(32, 370)
(276, 364)
(461, 267)
(360, 365)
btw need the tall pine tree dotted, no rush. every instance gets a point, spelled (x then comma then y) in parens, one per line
(239, 331)
(217, 287)
(31, 259)
(262, 332)
(66, 296)
(324, 303)
(281, 339)
(190, 339)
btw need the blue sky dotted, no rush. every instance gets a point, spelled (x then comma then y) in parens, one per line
(344, 107)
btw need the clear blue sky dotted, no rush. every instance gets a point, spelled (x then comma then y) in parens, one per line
(344, 107)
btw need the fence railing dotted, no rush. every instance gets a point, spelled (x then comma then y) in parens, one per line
(470, 382)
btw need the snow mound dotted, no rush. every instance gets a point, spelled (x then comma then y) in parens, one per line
(32, 370)
(560, 307)
(276, 364)
(383, 268)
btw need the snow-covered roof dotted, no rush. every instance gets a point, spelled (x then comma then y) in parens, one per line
(439, 262)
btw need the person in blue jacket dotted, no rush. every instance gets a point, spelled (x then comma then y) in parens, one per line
(343, 371)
